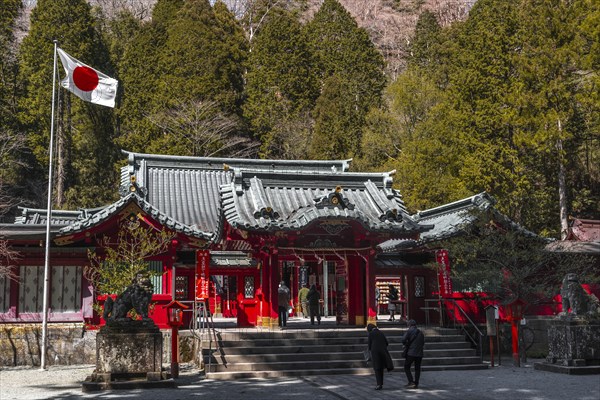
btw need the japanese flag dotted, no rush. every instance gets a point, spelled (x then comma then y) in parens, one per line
(87, 83)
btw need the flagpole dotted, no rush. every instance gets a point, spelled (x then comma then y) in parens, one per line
(48, 220)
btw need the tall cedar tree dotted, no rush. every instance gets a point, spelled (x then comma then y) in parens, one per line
(343, 49)
(201, 84)
(281, 85)
(201, 60)
(140, 76)
(8, 65)
(556, 111)
(11, 137)
(84, 149)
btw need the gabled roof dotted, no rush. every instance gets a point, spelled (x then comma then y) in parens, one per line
(263, 194)
(36, 216)
(286, 200)
(107, 212)
(188, 188)
(447, 221)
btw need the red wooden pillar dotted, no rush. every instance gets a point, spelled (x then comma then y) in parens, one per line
(273, 279)
(370, 289)
(356, 283)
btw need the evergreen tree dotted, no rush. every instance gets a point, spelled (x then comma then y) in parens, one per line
(425, 45)
(281, 87)
(140, 77)
(199, 61)
(337, 125)
(343, 49)
(8, 65)
(84, 131)
(555, 118)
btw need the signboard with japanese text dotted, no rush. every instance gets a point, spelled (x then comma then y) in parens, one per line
(444, 279)
(202, 274)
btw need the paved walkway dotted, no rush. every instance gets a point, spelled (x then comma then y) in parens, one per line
(504, 382)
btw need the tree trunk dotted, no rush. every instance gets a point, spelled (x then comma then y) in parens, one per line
(562, 187)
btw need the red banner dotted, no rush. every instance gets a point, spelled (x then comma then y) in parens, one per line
(202, 274)
(444, 278)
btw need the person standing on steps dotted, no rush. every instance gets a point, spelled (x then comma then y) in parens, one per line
(413, 341)
(302, 293)
(313, 298)
(283, 302)
(380, 356)
(393, 297)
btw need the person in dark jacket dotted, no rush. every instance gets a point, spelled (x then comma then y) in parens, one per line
(380, 356)
(283, 303)
(393, 296)
(313, 298)
(413, 341)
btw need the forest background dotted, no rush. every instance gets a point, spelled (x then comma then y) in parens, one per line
(457, 96)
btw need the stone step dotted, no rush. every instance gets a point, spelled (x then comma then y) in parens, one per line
(299, 333)
(230, 360)
(324, 341)
(326, 365)
(229, 375)
(315, 348)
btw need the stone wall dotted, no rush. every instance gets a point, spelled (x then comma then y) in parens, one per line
(21, 344)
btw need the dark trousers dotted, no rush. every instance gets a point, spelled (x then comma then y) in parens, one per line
(283, 315)
(407, 363)
(312, 318)
(379, 376)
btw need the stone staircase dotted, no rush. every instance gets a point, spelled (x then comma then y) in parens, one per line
(325, 351)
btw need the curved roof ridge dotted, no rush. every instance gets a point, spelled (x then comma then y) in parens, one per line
(219, 162)
(110, 210)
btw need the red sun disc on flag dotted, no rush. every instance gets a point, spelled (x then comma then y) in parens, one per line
(85, 78)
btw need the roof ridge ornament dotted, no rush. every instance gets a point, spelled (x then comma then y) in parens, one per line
(334, 199)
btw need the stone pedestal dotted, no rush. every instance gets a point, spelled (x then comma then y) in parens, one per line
(128, 354)
(572, 344)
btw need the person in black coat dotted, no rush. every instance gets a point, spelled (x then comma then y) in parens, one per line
(313, 298)
(380, 356)
(413, 341)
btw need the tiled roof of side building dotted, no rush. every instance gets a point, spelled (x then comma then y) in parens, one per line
(164, 219)
(446, 220)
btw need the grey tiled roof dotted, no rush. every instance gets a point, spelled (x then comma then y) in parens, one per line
(261, 200)
(37, 216)
(107, 212)
(262, 194)
(187, 188)
(447, 221)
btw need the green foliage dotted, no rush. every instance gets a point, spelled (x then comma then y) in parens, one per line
(140, 77)
(345, 56)
(281, 86)
(506, 91)
(83, 131)
(425, 46)
(337, 124)
(125, 256)
(198, 45)
(8, 65)
(497, 258)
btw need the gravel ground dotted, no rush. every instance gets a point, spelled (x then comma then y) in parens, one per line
(505, 382)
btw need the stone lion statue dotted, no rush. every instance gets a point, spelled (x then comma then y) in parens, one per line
(575, 298)
(137, 296)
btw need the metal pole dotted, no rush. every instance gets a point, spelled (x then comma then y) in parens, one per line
(48, 219)
(326, 288)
